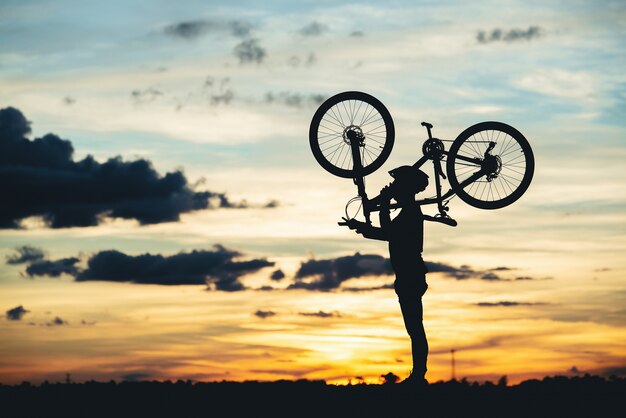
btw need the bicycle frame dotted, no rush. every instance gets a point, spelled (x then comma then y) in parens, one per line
(433, 150)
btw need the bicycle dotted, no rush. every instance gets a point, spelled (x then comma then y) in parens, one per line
(489, 165)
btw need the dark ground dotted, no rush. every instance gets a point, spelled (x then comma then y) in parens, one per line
(587, 396)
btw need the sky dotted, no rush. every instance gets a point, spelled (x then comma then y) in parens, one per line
(175, 225)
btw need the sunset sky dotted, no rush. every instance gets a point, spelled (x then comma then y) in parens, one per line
(220, 95)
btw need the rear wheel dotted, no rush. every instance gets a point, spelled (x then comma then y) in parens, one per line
(357, 112)
(505, 156)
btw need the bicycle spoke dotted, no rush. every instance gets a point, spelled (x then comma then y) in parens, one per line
(366, 115)
(338, 115)
(334, 123)
(474, 149)
(517, 172)
(335, 147)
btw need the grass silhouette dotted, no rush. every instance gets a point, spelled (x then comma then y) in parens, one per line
(551, 396)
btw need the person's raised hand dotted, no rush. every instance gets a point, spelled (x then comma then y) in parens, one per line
(350, 223)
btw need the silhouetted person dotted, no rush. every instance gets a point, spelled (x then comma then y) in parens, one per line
(405, 234)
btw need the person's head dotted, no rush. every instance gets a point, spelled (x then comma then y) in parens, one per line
(407, 182)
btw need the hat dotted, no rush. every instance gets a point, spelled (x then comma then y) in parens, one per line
(410, 174)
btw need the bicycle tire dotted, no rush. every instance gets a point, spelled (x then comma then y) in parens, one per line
(351, 110)
(516, 160)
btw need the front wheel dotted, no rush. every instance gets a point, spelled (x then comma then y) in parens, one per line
(505, 157)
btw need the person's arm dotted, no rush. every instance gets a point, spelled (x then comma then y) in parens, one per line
(383, 213)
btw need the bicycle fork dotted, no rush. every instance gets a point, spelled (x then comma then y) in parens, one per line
(356, 142)
(433, 149)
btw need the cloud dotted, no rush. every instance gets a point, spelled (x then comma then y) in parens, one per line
(329, 274)
(53, 268)
(67, 100)
(145, 96)
(220, 268)
(16, 313)
(313, 29)
(136, 377)
(326, 275)
(264, 314)
(367, 288)
(297, 100)
(357, 34)
(218, 90)
(40, 178)
(511, 35)
(465, 272)
(580, 85)
(249, 51)
(277, 275)
(295, 61)
(321, 314)
(26, 254)
(507, 303)
(189, 30)
(57, 321)
(217, 267)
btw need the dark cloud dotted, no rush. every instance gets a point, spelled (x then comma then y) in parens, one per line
(145, 96)
(272, 204)
(16, 313)
(328, 274)
(220, 268)
(321, 314)
(574, 369)
(249, 51)
(507, 303)
(26, 254)
(511, 35)
(264, 314)
(41, 178)
(53, 268)
(217, 267)
(294, 99)
(277, 275)
(367, 288)
(194, 29)
(465, 272)
(57, 321)
(313, 29)
(136, 377)
(619, 370)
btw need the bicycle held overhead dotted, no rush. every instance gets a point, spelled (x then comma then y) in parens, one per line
(489, 165)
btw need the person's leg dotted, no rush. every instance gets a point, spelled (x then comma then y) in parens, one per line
(412, 313)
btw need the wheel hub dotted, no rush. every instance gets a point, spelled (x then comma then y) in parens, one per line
(353, 132)
(492, 164)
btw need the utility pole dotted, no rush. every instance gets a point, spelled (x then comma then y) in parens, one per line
(452, 361)
(68, 378)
